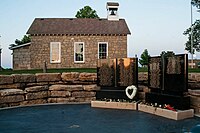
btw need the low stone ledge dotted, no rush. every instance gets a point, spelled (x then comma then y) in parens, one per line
(36, 88)
(4, 105)
(14, 104)
(66, 88)
(72, 76)
(9, 92)
(195, 101)
(32, 102)
(61, 100)
(81, 94)
(88, 77)
(196, 109)
(175, 115)
(48, 77)
(24, 78)
(11, 99)
(114, 105)
(6, 79)
(85, 99)
(60, 93)
(37, 95)
(91, 87)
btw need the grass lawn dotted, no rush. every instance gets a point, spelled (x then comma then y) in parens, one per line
(89, 70)
(10, 71)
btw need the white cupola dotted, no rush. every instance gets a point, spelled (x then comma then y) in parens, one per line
(112, 11)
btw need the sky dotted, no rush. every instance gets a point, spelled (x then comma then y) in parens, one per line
(155, 25)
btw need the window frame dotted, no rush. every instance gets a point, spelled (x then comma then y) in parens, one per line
(75, 43)
(59, 53)
(106, 48)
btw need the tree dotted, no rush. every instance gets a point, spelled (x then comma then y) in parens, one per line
(25, 39)
(144, 58)
(167, 54)
(86, 12)
(196, 3)
(193, 33)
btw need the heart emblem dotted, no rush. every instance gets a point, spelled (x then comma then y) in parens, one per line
(133, 89)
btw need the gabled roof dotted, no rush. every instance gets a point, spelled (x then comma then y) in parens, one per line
(78, 26)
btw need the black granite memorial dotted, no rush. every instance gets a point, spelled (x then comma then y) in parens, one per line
(114, 76)
(167, 80)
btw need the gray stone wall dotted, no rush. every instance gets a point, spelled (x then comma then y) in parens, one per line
(41, 88)
(21, 58)
(40, 50)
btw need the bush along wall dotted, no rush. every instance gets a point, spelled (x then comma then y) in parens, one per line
(41, 88)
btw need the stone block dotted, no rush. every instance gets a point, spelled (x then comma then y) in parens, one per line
(143, 76)
(12, 86)
(11, 99)
(48, 77)
(36, 88)
(3, 105)
(9, 92)
(37, 84)
(37, 95)
(33, 102)
(60, 93)
(84, 99)
(61, 100)
(141, 95)
(88, 77)
(194, 92)
(195, 101)
(196, 109)
(14, 104)
(66, 87)
(143, 88)
(72, 76)
(24, 78)
(91, 87)
(6, 79)
(83, 94)
(194, 85)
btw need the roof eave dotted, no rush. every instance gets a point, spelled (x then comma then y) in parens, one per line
(19, 46)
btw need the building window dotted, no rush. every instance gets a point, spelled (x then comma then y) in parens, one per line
(103, 50)
(55, 52)
(79, 52)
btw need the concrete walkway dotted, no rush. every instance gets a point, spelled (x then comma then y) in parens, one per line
(81, 118)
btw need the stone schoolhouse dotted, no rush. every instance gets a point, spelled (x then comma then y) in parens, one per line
(73, 42)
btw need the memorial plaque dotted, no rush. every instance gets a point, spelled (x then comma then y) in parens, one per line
(114, 76)
(168, 75)
(106, 72)
(155, 73)
(127, 71)
(175, 74)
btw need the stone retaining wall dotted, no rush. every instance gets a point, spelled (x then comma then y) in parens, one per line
(41, 88)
